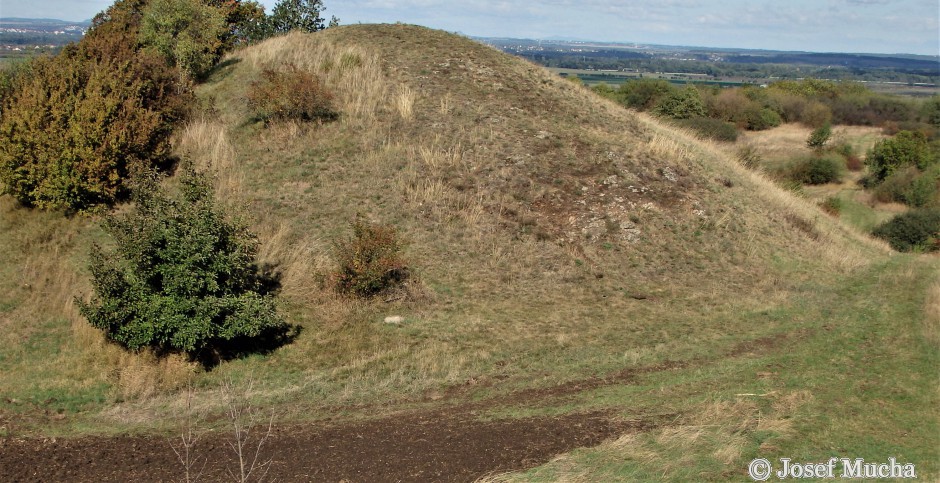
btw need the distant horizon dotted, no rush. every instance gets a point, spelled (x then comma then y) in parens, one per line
(746, 49)
(887, 27)
(558, 38)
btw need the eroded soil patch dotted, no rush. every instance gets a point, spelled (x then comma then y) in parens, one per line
(449, 444)
(434, 446)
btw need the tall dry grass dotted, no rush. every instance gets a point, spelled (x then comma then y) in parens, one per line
(206, 144)
(353, 73)
(296, 259)
(405, 102)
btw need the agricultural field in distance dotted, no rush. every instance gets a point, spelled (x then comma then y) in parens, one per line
(616, 63)
(615, 78)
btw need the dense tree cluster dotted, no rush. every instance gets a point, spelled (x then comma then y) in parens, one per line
(74, 126)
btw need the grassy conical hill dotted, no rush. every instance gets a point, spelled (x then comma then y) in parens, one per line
(454, 139)
(569, 256)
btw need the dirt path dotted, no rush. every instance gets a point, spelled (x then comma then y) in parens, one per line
(449, 444)
(434, 446)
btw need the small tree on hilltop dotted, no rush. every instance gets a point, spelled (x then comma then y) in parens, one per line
(303, 15)
(182, 276)
(189, 33)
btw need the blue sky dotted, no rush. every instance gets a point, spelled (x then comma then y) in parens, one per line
(880, 26)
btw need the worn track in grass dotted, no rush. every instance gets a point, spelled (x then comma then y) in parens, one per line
(449, 444)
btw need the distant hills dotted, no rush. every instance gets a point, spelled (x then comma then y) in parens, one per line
(19, 33)
(927, 64)
(722, 62)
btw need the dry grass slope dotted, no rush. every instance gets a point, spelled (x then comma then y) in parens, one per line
(555, 236)
(516, 189)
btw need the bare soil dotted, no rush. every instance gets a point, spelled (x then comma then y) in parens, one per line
(448, 444)
(436, 446)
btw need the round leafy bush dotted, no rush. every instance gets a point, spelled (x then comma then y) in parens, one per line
(916, 229)
(817, 170)
(290, 94)
(643, 94)
(710, 128)
(762, 118)
(906, 148)
(682, 104)
(911, 186)
(182, 277)
(370, 261)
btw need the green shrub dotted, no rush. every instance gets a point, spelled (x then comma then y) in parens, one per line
(817, 170)
(190, 34)
(910, 186)
(682, 104)
(245, 20)
(930, 111)
(182, 276)
(915, 230)
(761, 119)
(924, 189)
(603, 89)
(643, 94)
(303, 15)
(369, 262)
(820, 136)
(290, 94)
(710, 128)
(907, 148)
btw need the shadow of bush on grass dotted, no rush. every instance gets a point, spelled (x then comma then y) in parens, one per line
(271, 339)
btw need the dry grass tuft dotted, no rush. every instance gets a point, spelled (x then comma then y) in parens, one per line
(134, 375)
(206, 145)
(667, 146)
(405, 102)
(143, 375)
(296, 259)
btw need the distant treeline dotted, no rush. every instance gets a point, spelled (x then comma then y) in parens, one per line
(782, 66)
(39, 38)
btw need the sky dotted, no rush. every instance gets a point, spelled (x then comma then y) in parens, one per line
(873, 26)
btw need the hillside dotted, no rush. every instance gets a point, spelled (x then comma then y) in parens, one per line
(576, 265)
